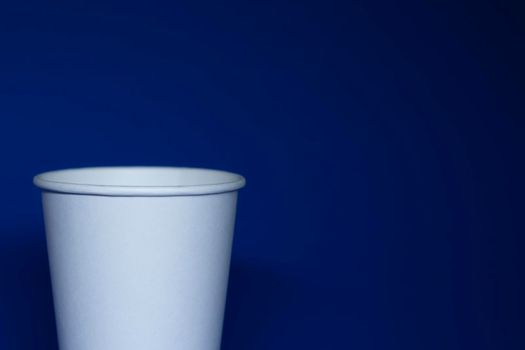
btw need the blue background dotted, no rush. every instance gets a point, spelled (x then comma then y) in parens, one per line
(382, 143)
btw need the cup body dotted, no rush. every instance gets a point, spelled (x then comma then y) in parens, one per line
(137, 270)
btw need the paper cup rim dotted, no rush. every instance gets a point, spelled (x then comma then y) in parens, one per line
(73, 181)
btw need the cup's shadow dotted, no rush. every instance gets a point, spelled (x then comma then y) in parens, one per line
(26, 306)
(258, 295)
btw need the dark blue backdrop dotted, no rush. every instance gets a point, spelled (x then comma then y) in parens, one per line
(382, 143)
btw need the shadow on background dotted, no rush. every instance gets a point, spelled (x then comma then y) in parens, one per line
(26, 312)
(258, 298)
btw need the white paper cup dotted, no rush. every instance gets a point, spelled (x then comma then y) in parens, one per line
(139, 256)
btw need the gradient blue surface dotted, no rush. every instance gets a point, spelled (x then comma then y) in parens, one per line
(382, 143)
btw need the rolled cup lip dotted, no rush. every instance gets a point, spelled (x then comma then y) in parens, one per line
(230, 182)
